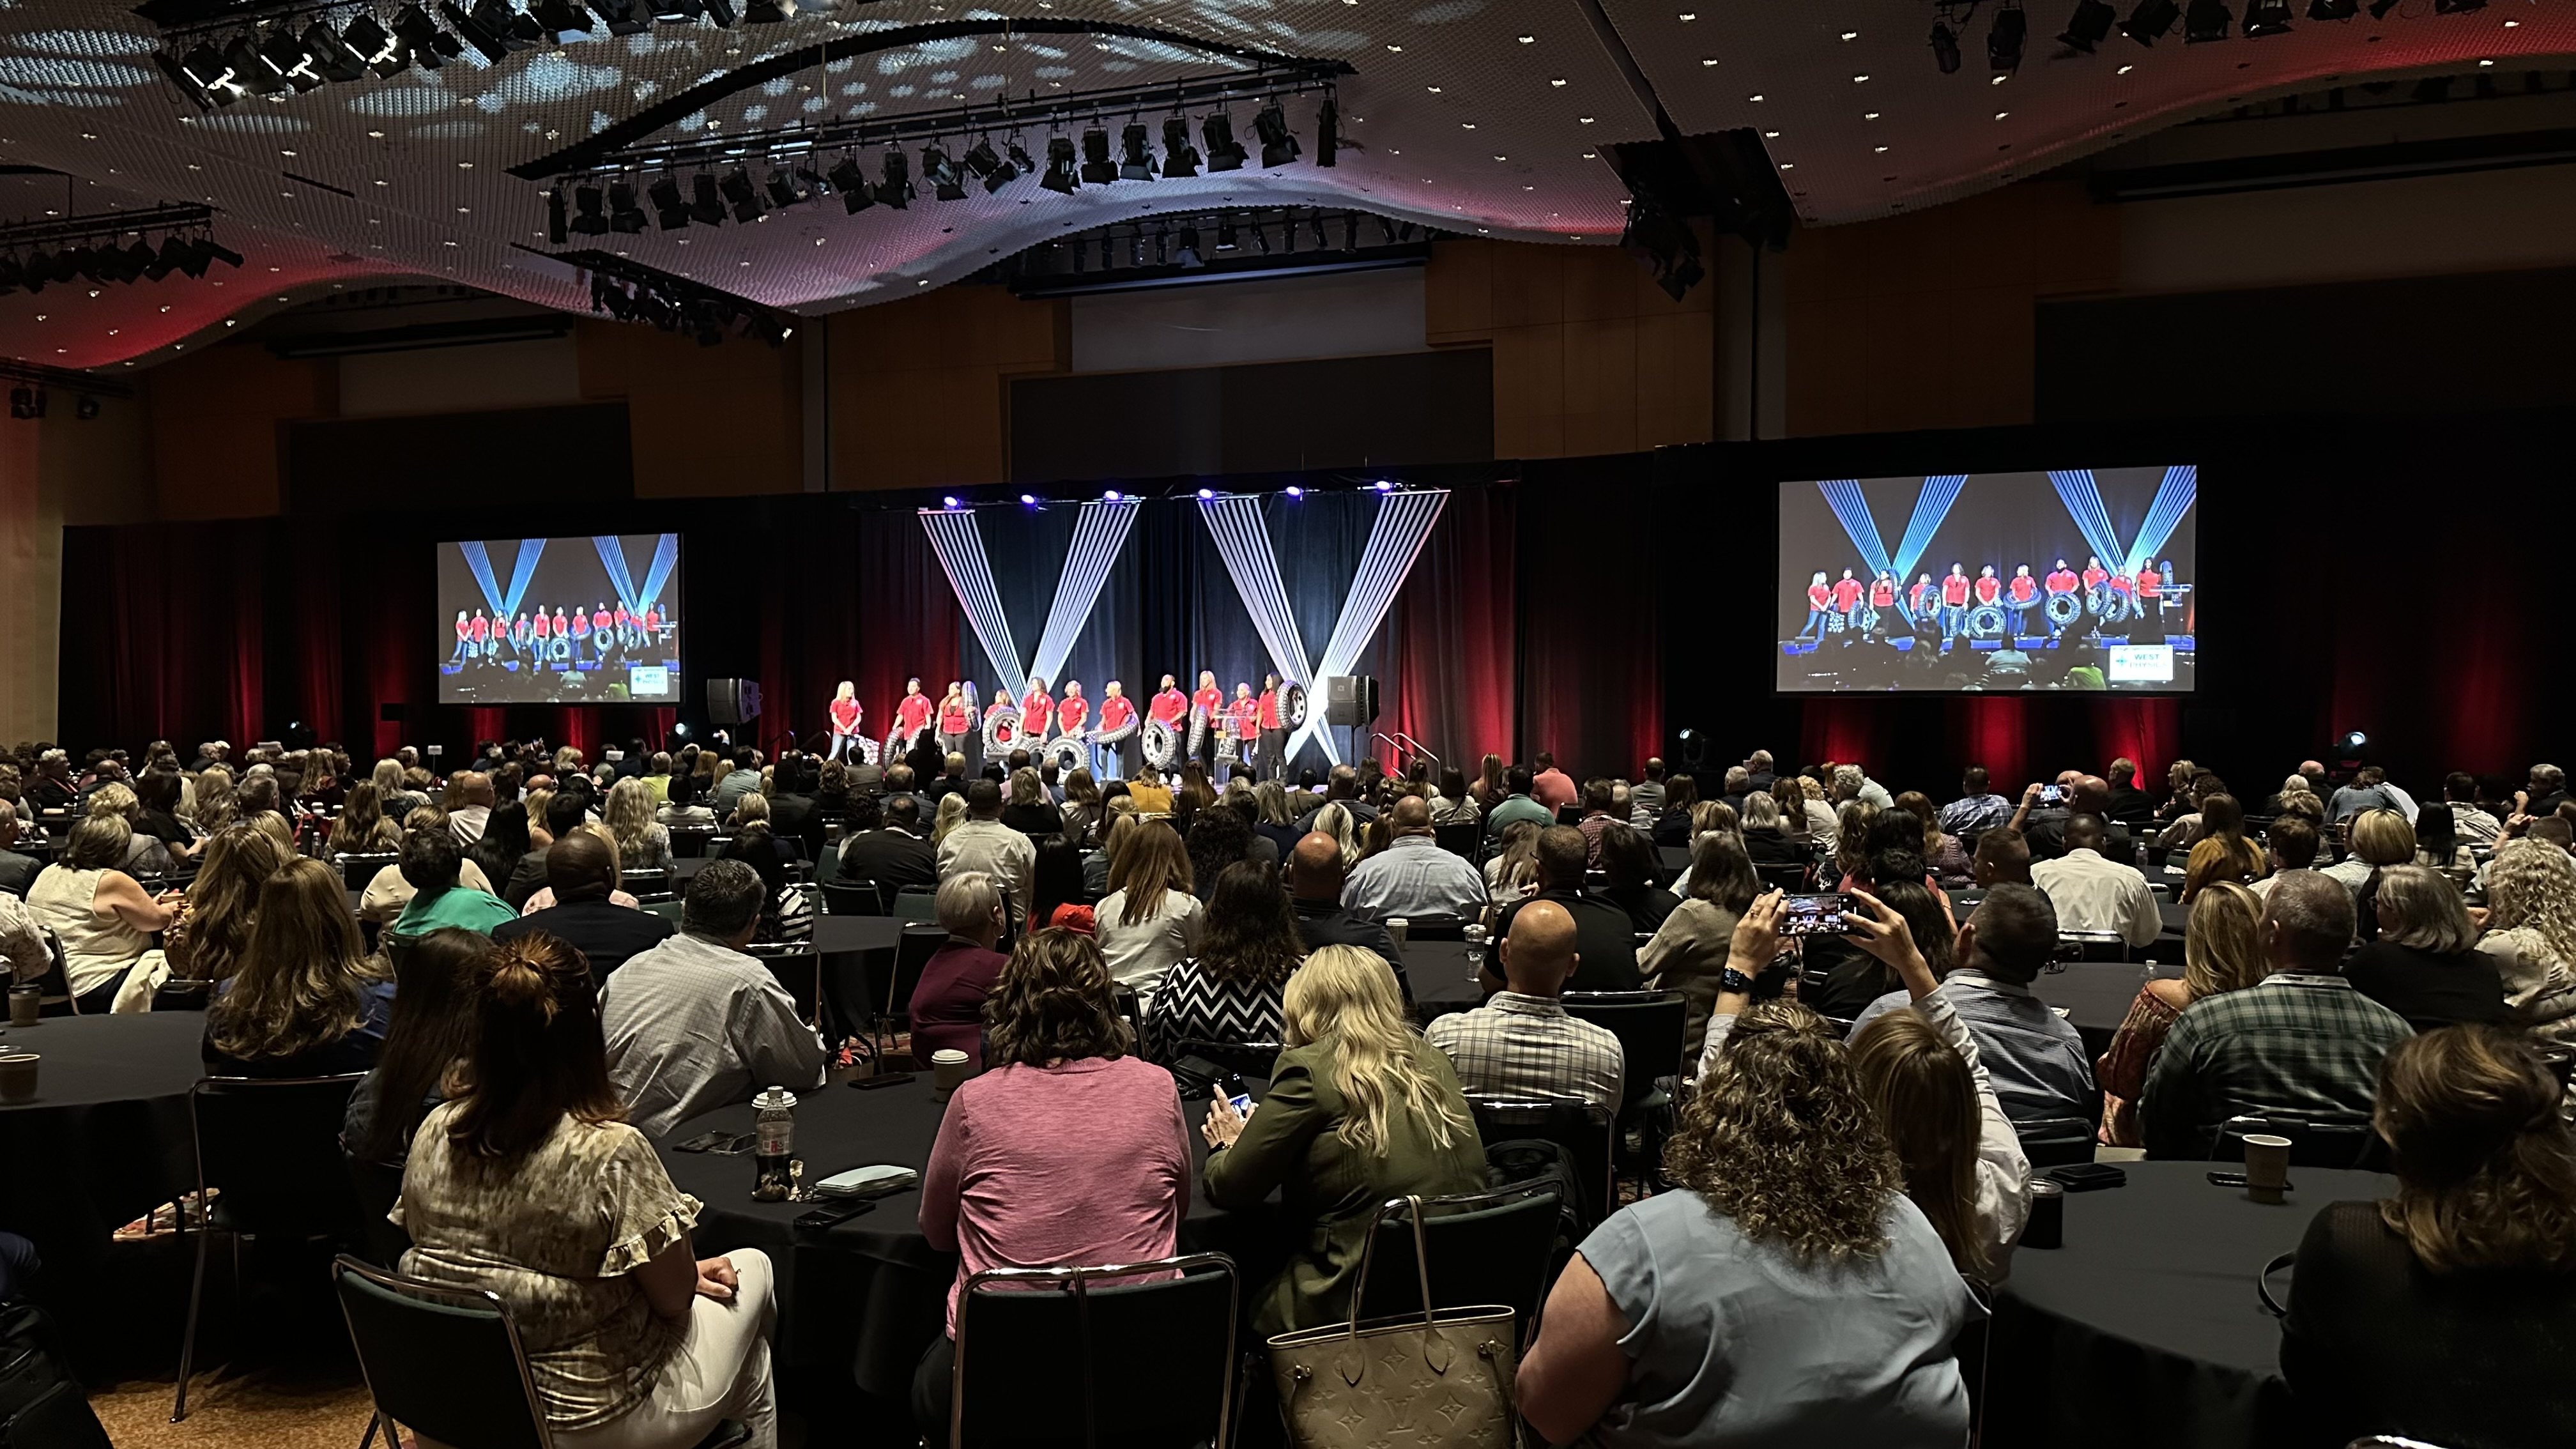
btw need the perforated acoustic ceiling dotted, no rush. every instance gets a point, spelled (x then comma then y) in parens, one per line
(1480, 115)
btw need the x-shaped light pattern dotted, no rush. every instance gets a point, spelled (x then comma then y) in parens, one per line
(1099, 534)
(612, 555)
(2083, 498)
(960, 546)
(503, 605)
(1931, 506)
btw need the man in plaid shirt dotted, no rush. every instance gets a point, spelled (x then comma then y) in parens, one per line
(1521, 1043)
(2301, 1044)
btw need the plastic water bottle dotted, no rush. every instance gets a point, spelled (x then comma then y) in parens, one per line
(1475, 952)
(773, 1145)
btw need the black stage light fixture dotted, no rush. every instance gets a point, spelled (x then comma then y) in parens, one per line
(558, 227)
(26, 403)
(1222, 152)
(189, 86)
(516, 28)
(2151, 21)
(1020, 158)
(2005, 39)
(623, 17)
(1180, 158)
(1060, 174)
(36, 271)
(1945, 47)
(332, 57)
(720, 14)
(737, 189)
(288, 56)
(2089, 26)
(1135, 163)
(85, 407)
(382, 50)
(1350, 231)
(560, 18)
(589, 219)
(941, 173)
(428, 44)
(670, 208)
(769, 12)
(194, 261)
(1322, 242)
(852, 183)
(1225, 241)
(1261, 239)
(1188, 255)
(2267, 17)
(678, 12)
(206, 66)
(167, 259)
(1328, 130)
(987, 163)
(1097, 168)
(12, 273)
(251, 70)
(2333, 9)
(896, 189)
(486, 41)
(706, 206)
(1162, 249)
(1278, 144)
(216, 251)
(782, 189)
(623, 214)
(140, 259)
(2205, 21)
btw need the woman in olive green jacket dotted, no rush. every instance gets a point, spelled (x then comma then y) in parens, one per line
(1360, 1109)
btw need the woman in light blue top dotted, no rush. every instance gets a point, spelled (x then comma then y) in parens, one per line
(1790, 1294)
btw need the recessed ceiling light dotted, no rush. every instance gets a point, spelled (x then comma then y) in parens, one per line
(1999, 80)
(1708, 60)
(1466, 125)
(1788, 165)
(1856, 80)
(285, 153)
(2486, 62)
(1527, 39)
(1435, 90)
(1882, 150)
(384, 183)
(1851, 35)
(1869, 115)
(1770, 135)
(1398, 49)
(1586, 120)
(2124, 70)
(464, 165)
(1591, 155)
(1689, 15)
(1502, 158)
(376, 135)
(1999, 115)
(1753, 97)
(1556, 80)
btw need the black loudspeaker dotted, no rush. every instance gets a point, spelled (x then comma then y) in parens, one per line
(733, 701)
(1350, 700)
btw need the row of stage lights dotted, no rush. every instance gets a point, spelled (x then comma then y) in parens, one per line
(1205, 495)
(2148, 21)
(277, 60)
(597, 210)
(107, 262)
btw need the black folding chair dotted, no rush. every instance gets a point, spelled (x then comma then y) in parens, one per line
(852, 898)
(273, 1147)
(357, 870)
(2056, 1141)
(2354, 1145)
(1650, 1026)
(913, 903)
(654, 883)
(691, 842)
(1256, 1059)
(1435, 928)
(447, 1364)
(2091, 946)
(1139, 1365)
(1484, 1247)
(1460, 838)
(798, 965)
(1582, 1130)
(1777, 877)
(893, 977)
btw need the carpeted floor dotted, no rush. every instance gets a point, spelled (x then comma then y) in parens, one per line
(265, 1409)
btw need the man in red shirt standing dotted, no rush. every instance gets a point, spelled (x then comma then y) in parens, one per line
(1074, 714)
(1117, 728)
(2019, 595)
(1274, 730)
(1037, 714)
(1847, 596)
(538, 630)
(2124, 600)
(602, 624)
(1168, 703)
(2097, 593)
(2061, 580)
(1954, 601)
(845, 715)
(1820, 603)
(464, 638)
(625, 623)
(1989, 590)
(1208, 704)
(912, 713)
(483, 641)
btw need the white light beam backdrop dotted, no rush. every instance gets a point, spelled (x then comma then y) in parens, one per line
(1099, 534)
(1243, 540)
(1404, 523)
(960, 546)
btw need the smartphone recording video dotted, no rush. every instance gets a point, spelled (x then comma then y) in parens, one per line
(1815, 915)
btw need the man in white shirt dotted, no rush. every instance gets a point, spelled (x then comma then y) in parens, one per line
(466, 821)
(982, 842)
(2092, 894)
(1413, 876)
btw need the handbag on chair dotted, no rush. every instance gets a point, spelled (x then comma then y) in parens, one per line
(1442, 1381)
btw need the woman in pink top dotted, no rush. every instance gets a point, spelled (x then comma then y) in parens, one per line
(1068, 1150)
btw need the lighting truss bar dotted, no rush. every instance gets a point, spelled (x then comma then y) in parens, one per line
(191, 18)
(63, 379)
(50, 230)
(960, 546)
(1404, 524)
(676, 288)
(757, 148)
(1099, 535)
(1243, 541)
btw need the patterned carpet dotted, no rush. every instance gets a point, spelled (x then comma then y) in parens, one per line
(265, 1409)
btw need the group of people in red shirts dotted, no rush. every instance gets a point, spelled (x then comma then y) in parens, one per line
(557, 637)
(1249, 726)
(1958, 604)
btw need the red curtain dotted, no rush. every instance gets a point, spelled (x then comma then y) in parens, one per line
(1455, 666)
(163, 634)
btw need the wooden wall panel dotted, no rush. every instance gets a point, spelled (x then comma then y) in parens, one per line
(724, 420)
(215, 427)
(920, 389)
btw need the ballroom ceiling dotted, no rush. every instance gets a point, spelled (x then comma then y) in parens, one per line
(1481, 116)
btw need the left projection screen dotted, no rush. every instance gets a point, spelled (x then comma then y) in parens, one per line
(560, 620)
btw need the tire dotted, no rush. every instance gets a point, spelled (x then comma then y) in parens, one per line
(2064, 609)
(1161, 746)
(1986, 621)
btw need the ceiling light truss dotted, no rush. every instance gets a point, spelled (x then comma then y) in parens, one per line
(110, 247)
(629, 291)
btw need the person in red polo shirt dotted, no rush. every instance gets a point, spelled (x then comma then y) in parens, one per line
(956, 720)
(1243, 724)
(1820, 604)
(912, 713)
(1847, 596)
(2124, 599)
(1117, 731)
(2097, 591)
(1988, 590)
(1274, 730)
(483, 641)
(464, 638)
(625, 623)
(1922, 599)
(2019, 595)
(1168, 703)
(2061, 580)
(845, 715)
(1073, 713)
(602, 627)
(2151, 589)
(1037, 714)
(1207, 703)
(1882, 592)
(1954, 601)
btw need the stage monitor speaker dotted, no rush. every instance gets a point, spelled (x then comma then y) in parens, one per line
(1350, 700)
(733, 701)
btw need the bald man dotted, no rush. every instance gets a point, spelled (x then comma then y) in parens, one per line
(466, 821)
(2044, 826)
(1315, 884)
(1413, 877)
(1521, 1043)
(582, 873)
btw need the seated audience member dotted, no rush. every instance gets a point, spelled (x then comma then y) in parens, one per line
(564, 814)
(1348, 837)
(682, 807)
(2439, 844)
(1316, 883)
(1360, 1109)
(2290, 845)
(529, 1186)
(1228, 990)
(1788, 1292)
(947, 1007)
(99, 914)
(2368, 791)
(883, 848)
(473, 790)
(304, 1000)
(431, 868)
(1414, 877)
(1517, 804)
(1222, 835)
(581, 875)
(980, 841)
(428, 1036)
(2425, 965)
(786, 915)
(2035, 1057)
(2219, 953)
(145, 855)
(1627, 857)
(2002, 858)
(2437, 1313)
(2092, 894)
(2044, 826)
(386, 891)
(694, 1024)
(210, 924)
(1944, 853)
(1597, 806)
(2222, 852)
(1341, 787)
(1056, 879)
(1521, 1042)
(24, 952)
(2531, 934)
(1606, 939)
(1646, 797)
(643, 843)
(1673, 826)
(1455, 806)
(1765, 841)
(17, 870)
(2300, 1044)
(1689, 952)
(1511, 872)
(363, 827)
(1149, 922)
(544, 898)
(1070, 1149)
(1030, 812)
(508, 836)
(2473, 821)
(2380, 838)
(1275, 819)
(1963, 1163)
(1851, 979)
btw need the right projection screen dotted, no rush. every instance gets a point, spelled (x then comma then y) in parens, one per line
(2079, 578)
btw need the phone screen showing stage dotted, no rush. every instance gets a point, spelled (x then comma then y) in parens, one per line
(559, 620)
(1816, 915)
(2079, 579)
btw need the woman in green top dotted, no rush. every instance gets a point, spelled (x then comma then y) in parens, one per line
(430, 861)
(1360, 1109)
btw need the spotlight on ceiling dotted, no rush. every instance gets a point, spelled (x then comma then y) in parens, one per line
(429, 45)
(941, 173)
(670, 208)
(2267, 17)
(1097, 168)
(486, 41)
(623, 214)
(2353, 739)
(1206, 493)
(987, 166)
(950, 501)
(332, 55)
(1296, 492)
(706, 205)
(739, 191)
(1222, 152)
(1328, 130)
(2205, 21)
(2333, 9)
(252, 72)
(782, 189)
(852, 183)
(1135, 163)
(1030, 499)
(1060, 175)
(561, 18)
(2089, 26)
(1384, 485)
(515, 28)
(2151, 21)
(1112, 496)
(896, 189)
(557, 230)
(289, 57)
(1945, 47)
(1180, 158)
(588, 217)
(1225, 241)
(1020, 161)
(1278, 144)
(2005, 39)
(26, 403)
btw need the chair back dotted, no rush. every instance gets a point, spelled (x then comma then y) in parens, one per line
(2091, 946)
(1581, 1130)
(1484, 1247)
(2353, 1145)
(378, 1186)
(650, 884)
(1255, 1059)
(443, 1362)
(1459, 837)
(273, 1147)
(852, 898)
(1569, 814)
(1435, 928)
(2055, 1141)
(1092, 1358)
(1649, 1025)
(356, 869)
(915, 904)
(180, 994)
(1778, 877)
(893, 978)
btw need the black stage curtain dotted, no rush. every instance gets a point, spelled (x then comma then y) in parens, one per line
(1591, 645)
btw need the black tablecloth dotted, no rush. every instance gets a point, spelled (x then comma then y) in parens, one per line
(870, 1292)
(107, 1136)
(1437, 972)
(2146, 1328)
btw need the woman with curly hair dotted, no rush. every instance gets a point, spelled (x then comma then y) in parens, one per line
(1789, 1290)
(212, 926)
(2531, 933)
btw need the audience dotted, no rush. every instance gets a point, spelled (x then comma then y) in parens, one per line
(2380, 838)
(2035, 1057)
(2300, 1044)
(694, 1024)
(99, 915)
(947, 1007)
(17, 871)
(2424, 964)
(210, 923)
(786, 914)
(1413, 877)
(2222, 852)
(1030, 812)
(1606, 937)
(2095, 896)
(1149, 922)
(2220, 952)
(431, 866)
(1221, 836)
(2531, 934)
(2290, 844)
(643, 843)
(426, 1043)
(882, 845)
(1517, 804)
(304, 1000)
(530, 1187)
(1228, 990)
(980, 841)
(1360, 1109)
(2002, 858)
(1521, 1043)
(472, 807)
(1316, 885)
(1690, 950)
(580, 905)
(1628, 861)
(680, 805)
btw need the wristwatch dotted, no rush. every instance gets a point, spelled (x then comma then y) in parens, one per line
(1731, 979)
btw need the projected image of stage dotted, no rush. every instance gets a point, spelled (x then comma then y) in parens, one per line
(559, 620)
(2080, 579)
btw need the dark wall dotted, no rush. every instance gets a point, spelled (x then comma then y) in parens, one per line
(567, 456)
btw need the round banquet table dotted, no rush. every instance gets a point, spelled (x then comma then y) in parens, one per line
(871, 1292)
(2146, 1329)
(107, 1136)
